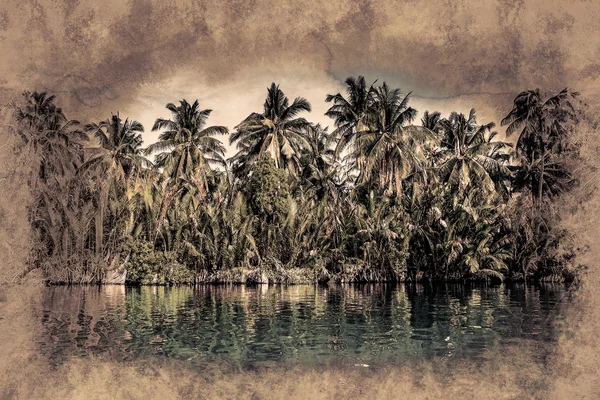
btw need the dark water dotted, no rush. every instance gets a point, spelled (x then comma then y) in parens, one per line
(277, 325)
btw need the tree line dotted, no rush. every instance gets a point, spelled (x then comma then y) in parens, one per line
(380, 197)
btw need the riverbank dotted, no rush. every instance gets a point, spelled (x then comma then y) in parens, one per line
(301, 276)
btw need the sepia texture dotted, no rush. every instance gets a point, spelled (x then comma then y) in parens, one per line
(134, 57)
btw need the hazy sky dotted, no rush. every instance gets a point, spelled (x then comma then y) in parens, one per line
(135, 56)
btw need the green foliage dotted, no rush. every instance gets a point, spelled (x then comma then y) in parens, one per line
(378, 198)
(175, 272)
(276, 132)
(267, 191)
(144, 262)
(147, 266)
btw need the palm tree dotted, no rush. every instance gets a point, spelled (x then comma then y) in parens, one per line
(120, 149)
(114, 163)
(187, 147)
(373, 119)
(40, 114)
(318, 153)
(386, 147)
(144, 198)
(475, 243)
(541, 126)
(383, 239)
(51, 145)
(187, 152)
(432, 121)
(276, 131)
(319, 169)
(469, 155)
(555, 179)
(349, 112)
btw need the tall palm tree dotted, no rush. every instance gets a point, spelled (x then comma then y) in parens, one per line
(385, 147)
(187, 151)
(540, 124)
(51, 146)
(186, 147)
(349, 112)
(470, 156)
(120, 149)
(319, 169)
(51, 142)
(276, 131)
(114, 163)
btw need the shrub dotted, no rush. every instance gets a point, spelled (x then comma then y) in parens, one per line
(147, 266)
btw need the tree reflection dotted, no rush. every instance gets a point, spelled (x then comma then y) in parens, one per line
(250, 326)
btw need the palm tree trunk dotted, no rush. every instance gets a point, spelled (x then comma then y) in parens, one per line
(131, 222)
(542, 161)
(102, 202)
(163, 212)
(167, 200)
(398, 184)
(541, 180)
(99, 220)
(382, 174)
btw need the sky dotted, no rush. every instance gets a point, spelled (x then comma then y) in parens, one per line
(135, 56)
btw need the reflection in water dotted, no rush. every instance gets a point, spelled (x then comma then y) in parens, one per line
(275, 325)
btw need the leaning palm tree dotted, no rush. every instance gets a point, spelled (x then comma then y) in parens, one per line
(470, 156)
(540, 124)
(277, 131)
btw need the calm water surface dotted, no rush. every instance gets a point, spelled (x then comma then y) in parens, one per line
(278, 325)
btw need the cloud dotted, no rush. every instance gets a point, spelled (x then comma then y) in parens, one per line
(103, 57)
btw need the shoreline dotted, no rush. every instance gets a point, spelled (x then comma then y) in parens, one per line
(294, 276)
(328, 283)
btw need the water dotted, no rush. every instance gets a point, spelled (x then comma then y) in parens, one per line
(278, 325)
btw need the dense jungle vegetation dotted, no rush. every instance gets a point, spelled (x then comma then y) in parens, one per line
(377, 197)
